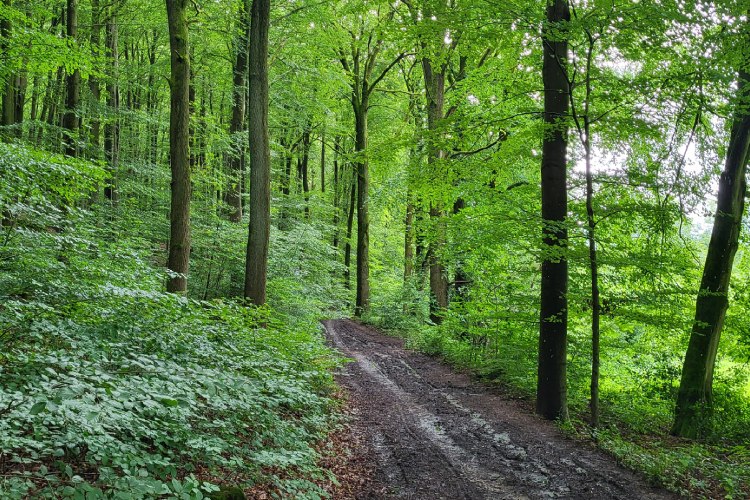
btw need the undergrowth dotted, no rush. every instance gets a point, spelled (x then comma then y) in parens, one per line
(112, 388)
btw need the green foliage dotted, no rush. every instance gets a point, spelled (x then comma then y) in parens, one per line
(112, 388)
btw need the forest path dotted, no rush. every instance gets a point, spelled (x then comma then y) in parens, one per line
(432, 433)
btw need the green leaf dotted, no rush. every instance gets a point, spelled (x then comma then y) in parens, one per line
(38, 408)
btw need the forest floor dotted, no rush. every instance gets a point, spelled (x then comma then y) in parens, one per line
(420, 430)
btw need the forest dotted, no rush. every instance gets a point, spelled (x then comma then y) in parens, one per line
(547, 195)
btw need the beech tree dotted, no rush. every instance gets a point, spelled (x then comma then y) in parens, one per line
(551, 394)
(73, 90)
(260, 160)
(237, 123)
(695, 395)
(179, 146)
(359, 60)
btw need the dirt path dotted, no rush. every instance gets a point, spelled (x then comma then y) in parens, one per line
(433, 433)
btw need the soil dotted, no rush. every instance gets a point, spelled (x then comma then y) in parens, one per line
(432, 433)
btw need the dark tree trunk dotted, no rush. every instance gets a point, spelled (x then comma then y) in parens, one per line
(260, 157)
(461, 281)
(349, 229)
(305, 171)
(288, 160)
(73, 95)
(112, 126)
(34, 108)
(435, 93)
(551, 401)
(695, 392)
(360, 70)
(9, 92)
(153, 97)
(323, 162)
(409, 238)
(94, 87)
(239, 93)
(362, 305)
(336, 192)
(21, 85)
(179, 146)
(591, 236)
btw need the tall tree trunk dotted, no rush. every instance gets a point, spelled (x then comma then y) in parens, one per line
(239, 93)
(409, 237)
(323, 161)
(594, 268)
(349, 229)
(260, 156)
(461, 281)
(70, 120)
(153, 97)
(696, 385)
(305, 170)
(9, 92)
(551, 394)
(21, 85)
(94, 87)
(112, 126)
(435, 93)
(34, 108)
(362, 304)
(179, 146)
(591, 236)
(336, 192)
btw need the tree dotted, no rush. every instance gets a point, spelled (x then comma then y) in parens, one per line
(260, 157)
(359, 62)
(8, 91)
(112, 127)
(73, 90)
(179, 146)
(239, 93)
(696, 385)
(551, 394)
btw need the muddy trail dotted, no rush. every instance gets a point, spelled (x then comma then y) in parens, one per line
(429, 433)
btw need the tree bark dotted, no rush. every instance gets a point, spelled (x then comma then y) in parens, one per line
(239, 93)
(305, 170)
(323, 161)
(179, 146)
(591, 236)
(551, 391)
(349, 229)
(336, 192)
(260, 156)
(695, 398)
(112, 126)
(362, 304)
(435, 93)
(9, 92)
(94, 87)
(462, 281)
(73, 95)
(409, 238)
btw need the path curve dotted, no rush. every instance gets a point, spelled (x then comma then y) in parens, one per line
(435, 434)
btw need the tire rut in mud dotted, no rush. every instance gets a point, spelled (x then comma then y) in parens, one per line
(435, 434)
